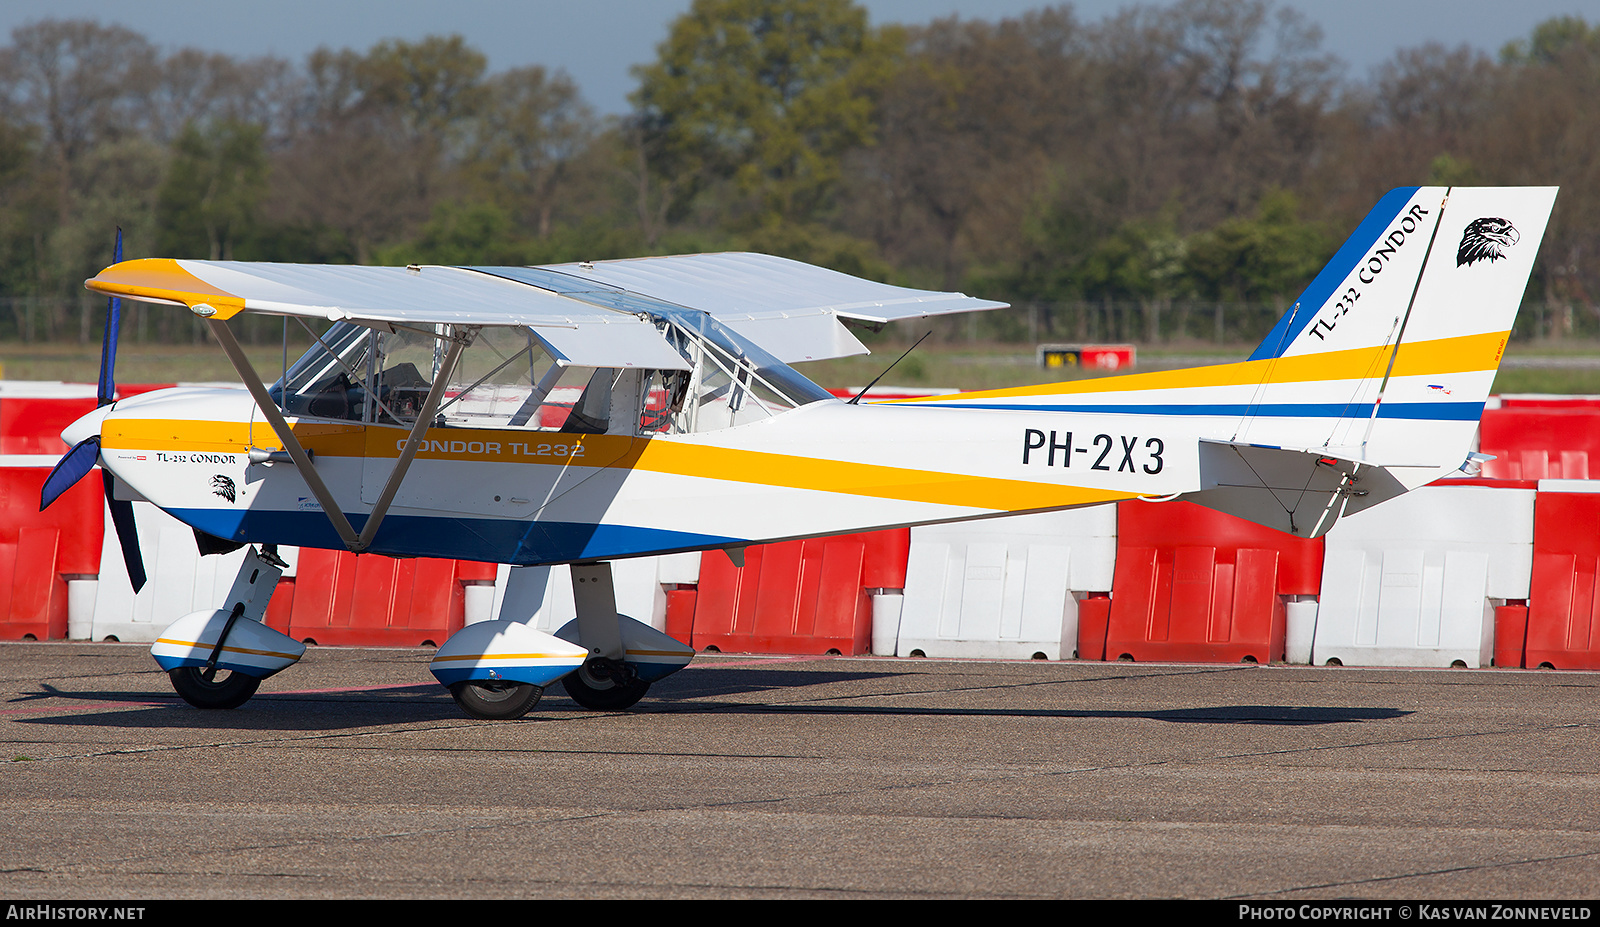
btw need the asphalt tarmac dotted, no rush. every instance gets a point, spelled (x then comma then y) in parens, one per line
(354, 776)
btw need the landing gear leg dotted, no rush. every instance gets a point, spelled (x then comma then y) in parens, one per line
(216, 659)
(605, 681)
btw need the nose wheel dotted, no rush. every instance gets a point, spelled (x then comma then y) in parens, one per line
(221, 689)
(601, 684)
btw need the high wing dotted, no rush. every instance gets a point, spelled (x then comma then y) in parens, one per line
(789, 308)
(588, 314)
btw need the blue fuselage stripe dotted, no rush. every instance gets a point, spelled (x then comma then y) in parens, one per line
(483, 539)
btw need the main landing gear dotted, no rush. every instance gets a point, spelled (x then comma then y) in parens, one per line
(496, 701)
(498, 670)
(605, 685)
(495, 670)
(605, 681)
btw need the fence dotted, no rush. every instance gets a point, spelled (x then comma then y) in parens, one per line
(57, 319)
(1169, 321)
(30, 319)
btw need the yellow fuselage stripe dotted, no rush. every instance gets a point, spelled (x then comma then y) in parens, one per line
(650, 455)
(1462, 354)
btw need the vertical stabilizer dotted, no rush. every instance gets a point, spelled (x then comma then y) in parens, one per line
(1389, 355)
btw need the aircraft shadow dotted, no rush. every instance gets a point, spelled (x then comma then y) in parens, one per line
(311, 711)
(705, 692)
(696, 693)
(1279, 715)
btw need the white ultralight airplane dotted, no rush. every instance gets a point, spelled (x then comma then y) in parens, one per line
(582, 413)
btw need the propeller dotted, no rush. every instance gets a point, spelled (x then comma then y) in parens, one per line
(77, 463)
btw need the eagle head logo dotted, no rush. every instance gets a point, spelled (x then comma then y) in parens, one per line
(222, 486)
(1486, 239)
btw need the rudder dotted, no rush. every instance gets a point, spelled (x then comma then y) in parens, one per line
(1403, 330)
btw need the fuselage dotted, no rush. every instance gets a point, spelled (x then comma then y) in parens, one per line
(533, 497)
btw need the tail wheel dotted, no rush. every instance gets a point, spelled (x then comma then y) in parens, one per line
(496, 701)
(605, 685)
(225, 689)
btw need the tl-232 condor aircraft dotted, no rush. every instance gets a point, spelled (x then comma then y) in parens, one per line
(582, 413)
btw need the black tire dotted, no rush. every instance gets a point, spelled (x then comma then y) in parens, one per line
(598, 692)
(496, 701)
(226, 690)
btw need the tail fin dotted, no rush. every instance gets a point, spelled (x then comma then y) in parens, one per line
(1371, 384)
(1374, 382)
(1389, 355)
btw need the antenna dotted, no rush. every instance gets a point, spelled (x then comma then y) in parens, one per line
(886, 370)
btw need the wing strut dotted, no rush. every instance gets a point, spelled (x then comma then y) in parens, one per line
(302, 460)
(297, 453)
(413, 442)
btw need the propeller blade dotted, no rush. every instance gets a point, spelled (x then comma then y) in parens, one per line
(107, 391)
(127, 532)
(73, 466)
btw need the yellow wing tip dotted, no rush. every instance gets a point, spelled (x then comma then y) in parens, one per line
(164, 280)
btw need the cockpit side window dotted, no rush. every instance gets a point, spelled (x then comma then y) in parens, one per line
(323, 381)
(730, 382)
(505, 377)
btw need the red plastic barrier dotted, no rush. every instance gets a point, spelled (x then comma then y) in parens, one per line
(32, 424)
(1094, 620)
(680, 611)
(799, 596)
(1195, 585)
(1534, 442)
(474, 571)
(368, 600)
(1537, 464)
(1563, 615)
(1539, 401)
(38, 549)
(280, 608)
(79, 515)
(1510, 634)
(1168, 525)
(33, 596)
(1480, 482)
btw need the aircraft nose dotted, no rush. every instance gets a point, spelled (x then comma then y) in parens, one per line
(85, 426)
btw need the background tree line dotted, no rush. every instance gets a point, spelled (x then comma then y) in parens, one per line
(1168, 171)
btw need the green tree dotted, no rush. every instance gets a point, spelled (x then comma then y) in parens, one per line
(433, 88)
(216, 181)
(533, 130)
(1551, 39)
(765, 94)
(1269, 255)
(970, 118)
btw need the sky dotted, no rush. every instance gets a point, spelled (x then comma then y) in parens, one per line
(597, 41)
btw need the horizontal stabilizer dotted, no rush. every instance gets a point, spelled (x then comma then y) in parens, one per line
(1299, 492)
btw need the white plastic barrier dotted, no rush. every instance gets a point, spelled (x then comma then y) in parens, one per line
(542, 596)
(178, 579)
(1414, 582)
(1003, 587)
